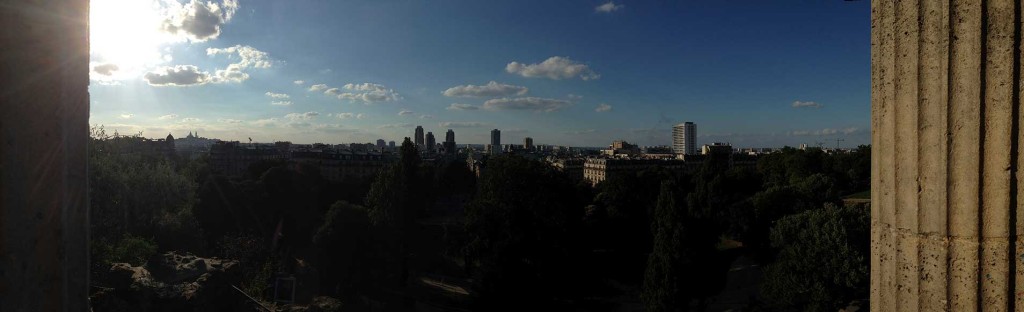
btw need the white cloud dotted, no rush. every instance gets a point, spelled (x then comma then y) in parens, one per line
(526, 103)
(807, 104)
(826, 131)
(457, 106)
(360, 116)
(228, 120)
(333, 92)
(491, 89)
(178, 75)
(281, 103)
(608, 7)
(461, 124)
(317, 87)
(277, 95)
(574, 97)
(200, 20)
(299, 82)
(426, 116)
(367, 93)
(301, 116)
(126, 116)
(268, 122)
(405, 112)
(190, 120)
(395, 126)
(105, 69)
(344, 115)
(603, 108)
(555, 67)
(168, 116)
(248, 57)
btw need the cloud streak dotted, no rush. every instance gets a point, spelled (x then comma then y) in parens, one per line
(526, 103)
(555, 67)
(491, 89)
(807, 104)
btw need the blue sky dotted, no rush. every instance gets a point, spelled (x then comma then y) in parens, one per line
(580, 73)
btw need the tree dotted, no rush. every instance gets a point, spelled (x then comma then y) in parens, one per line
(822, 264)
(684, 263)
(663, 289)
(522, 228)
(343, 242)
(394, 202)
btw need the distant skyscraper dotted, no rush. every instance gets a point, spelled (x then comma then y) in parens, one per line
(419, 137)
(381, 144)
(431, 143)
(391, 144)
(449, 142)
(528, 143)
(684, 138)
(495, 141)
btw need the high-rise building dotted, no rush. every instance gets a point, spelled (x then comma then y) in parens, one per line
(495, 141)
(684, 138)
(431, 143)
(449, 142)
(380, 144)
(528, 144)
(419, 137)
(391, 144)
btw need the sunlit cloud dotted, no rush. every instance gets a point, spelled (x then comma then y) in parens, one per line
(526, 103)
(281, 103)
(462, 107)
(555, 67)
(168, 117)
(298, 82)
(491, 89)
(126, 116)
(603, 108)
(200, 20)
(276, 95)
(608, 7)
(178, 75)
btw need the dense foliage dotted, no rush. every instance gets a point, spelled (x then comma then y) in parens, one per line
(522, 235)
(823, 259)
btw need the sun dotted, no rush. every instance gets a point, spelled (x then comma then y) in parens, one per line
(126, 37)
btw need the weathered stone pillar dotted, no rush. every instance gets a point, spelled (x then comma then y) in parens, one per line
(946, 216)
(44, 115)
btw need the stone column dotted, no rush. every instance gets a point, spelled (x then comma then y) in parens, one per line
(44, 115)
(945, 120)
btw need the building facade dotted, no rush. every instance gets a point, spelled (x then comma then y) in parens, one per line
(431, 143)
(449, 142)
(684, 138)
(419, 137)
(528, 144)
(495, 142)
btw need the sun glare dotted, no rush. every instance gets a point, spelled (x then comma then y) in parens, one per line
(126, 38)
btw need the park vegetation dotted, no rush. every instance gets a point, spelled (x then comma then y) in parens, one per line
(520, 236)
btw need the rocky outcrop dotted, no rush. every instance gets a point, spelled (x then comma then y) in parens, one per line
(172, 282)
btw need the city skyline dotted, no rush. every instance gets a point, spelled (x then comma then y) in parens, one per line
(374, 70)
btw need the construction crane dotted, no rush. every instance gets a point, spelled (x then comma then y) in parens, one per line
(837, 142)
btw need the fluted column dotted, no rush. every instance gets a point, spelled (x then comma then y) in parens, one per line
(44, 132)
(945, 120)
